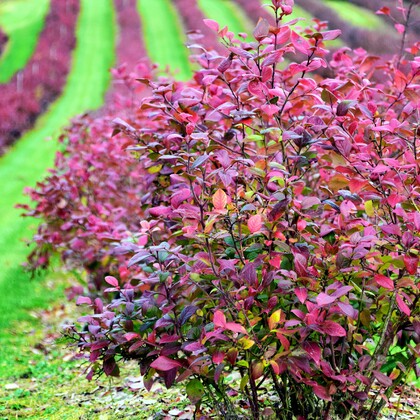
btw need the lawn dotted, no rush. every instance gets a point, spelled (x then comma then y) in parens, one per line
(22, 21)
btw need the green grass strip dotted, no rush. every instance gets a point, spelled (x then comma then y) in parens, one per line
(164, 37)
(355, 15)
(28, 160)
(227, 13)
(22, 21)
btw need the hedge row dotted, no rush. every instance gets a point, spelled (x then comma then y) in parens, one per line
(31, 90)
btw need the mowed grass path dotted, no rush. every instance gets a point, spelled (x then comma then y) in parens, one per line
(22, 21)
(29, 159)
(164, 37)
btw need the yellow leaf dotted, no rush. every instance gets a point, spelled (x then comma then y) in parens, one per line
(154, 169)
(246, 343)
(369, 208)
(274, 319)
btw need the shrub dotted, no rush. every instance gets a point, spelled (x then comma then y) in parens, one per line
(81, 201)
(279, 235)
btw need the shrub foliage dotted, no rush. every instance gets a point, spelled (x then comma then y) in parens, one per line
(272, 220)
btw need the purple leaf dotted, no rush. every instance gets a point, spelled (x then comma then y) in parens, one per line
(323, 299)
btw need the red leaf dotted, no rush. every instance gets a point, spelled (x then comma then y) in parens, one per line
(301, 294)
(261, 30)
(382, 378)
(225, 64)
(159, 211)
(278, 210)
(218, 357)
(321, 392)
(333, 329)
(276, 261)
(219, 319)
(400, 28)
(384, 281)
(131, 336)
(212, 24)
(384, 11)
(219, 200)
(313, 351)
(234, 327)
(112, 281)
(411, 264)
(255, 223)
(330, 35)
(82, 300)
(180, 196)
(403, 306)
(164, 364)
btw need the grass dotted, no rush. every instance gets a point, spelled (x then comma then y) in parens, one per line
(227, 13)
(28, 160)
(22, 21)
(164, 37)
(355, 15)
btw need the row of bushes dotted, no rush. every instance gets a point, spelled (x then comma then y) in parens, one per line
(84, 177)
(131, 55)
(255, 222)
(31, 90)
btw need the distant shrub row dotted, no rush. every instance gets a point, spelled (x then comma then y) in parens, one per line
(31, 90)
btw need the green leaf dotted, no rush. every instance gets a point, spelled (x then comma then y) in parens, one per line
(244, 382)
(195, 390)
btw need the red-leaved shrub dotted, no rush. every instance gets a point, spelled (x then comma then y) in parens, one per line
(280, 229)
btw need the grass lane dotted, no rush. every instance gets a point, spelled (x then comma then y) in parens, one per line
(28, 160)
(355, 15)
(164, 37)
(227, 13)
(22, 21)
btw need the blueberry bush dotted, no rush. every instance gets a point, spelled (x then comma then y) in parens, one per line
(259, 222)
